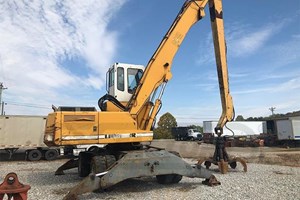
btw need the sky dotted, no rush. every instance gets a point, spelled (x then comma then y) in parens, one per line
(58, 52)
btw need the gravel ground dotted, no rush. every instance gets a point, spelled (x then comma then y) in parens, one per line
(260, 182)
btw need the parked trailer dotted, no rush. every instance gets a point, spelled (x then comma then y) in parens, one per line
(288, 129)
(283, 132)
(25, 132)
(234, 129)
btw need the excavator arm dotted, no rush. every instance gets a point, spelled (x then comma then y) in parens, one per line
(217, 25)
(158, 70)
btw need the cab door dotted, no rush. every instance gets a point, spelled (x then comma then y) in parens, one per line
(110, 81)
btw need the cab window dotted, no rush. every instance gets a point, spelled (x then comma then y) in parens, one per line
(133, 79)
(111, 79)
(120, 78)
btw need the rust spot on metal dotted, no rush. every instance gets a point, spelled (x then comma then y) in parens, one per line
(13, 188)
(211, 181)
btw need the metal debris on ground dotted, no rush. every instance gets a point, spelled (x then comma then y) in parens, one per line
(13, 188)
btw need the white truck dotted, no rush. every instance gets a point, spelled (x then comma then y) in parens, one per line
(234, 129)
(186, 133)
(25, 132)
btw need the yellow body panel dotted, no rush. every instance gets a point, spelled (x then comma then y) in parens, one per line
(110, 107)
(112, 122)
(76, 128)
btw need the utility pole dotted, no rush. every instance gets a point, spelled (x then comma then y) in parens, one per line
(1, 103)
(272, 110)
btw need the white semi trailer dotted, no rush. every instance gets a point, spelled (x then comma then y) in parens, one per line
(234, 129)
(26, 133)
(237, 128)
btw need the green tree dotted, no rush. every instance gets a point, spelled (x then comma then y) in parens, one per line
(272, 117)
(239, 118)
(164, 126)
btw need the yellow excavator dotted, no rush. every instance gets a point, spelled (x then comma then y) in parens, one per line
(128, 113)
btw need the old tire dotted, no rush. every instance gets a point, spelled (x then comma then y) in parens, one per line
(93, 149)
(98, 164)
(207, 164)
(34, 155)
(51, 154)
(84, 165)
(168, 178)
(102, 163)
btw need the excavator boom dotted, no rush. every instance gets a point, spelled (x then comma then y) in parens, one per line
(158, 70)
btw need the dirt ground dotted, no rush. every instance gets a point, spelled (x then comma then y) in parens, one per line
(262, 155)
(279, 179)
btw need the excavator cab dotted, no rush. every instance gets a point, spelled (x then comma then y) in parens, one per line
(122, 80)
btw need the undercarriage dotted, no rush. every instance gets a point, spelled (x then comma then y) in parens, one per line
(104, 168)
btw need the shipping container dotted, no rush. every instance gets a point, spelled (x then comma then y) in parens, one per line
(288, 129)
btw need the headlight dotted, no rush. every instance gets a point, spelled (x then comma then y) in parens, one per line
(49, 138)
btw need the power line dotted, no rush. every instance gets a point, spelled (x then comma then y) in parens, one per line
(28, 105)
(272, 109)
(25, 103)
(204, 117)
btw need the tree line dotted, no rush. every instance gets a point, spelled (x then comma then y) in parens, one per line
(274, 116)
(167, 121)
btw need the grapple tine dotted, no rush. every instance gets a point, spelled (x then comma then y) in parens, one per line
(73, 163)
(242, 161)
(223, 166)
